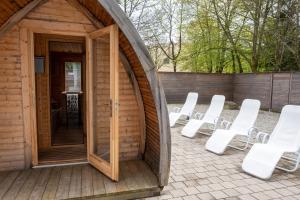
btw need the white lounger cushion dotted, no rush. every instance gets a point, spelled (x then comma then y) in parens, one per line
(213, 112)
(173, 118)
(263, 158)
(186, 110)
(245, 120)
(191, 128)
(219, 140)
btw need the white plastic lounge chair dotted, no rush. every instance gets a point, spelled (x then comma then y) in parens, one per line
(262, 159)
(242, 126)
(211, 116)
(186, 110)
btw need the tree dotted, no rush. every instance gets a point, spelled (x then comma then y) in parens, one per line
(219, 36)
(168, 30)
(226, 12)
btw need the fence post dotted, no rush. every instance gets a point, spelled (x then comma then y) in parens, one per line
(290, 88)
(271, 92)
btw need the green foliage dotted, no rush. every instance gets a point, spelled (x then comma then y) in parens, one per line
(219, 36)
(232, 36)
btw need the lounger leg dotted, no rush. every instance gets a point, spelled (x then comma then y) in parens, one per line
(251, 133)
(294, 168)
(214, 126)
(243, 148)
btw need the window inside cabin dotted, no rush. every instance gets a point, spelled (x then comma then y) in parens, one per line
(73, 76)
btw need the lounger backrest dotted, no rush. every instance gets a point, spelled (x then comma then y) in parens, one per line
(190, 103)
(246, 117)
(215, 109)
(287, 130)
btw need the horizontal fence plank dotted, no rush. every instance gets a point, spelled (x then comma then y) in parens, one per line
(178, 85)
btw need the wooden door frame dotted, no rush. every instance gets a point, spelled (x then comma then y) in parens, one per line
(27, 31)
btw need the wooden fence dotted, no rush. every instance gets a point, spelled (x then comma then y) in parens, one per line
(178, 85)
(274, 90)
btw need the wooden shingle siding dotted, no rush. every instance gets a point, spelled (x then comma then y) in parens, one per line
(11, 118)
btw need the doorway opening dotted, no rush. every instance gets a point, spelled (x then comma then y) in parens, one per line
(60, 85)
(66, 99)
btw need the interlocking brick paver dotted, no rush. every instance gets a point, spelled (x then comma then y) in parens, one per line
(218, 194)
(178, 193)
(247, 197)
(199, 174)
(191, 190)
(231, 192)
(178, 185)
(205, 196)
(192, 197)
(204, 188)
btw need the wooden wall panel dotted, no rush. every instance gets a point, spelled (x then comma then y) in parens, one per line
(42, 93)
(281, 90)
(11, 117)
(295, 88)
(252, 86)
(178, 85)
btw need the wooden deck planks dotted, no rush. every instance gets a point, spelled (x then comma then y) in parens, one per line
(7, 182)
(18, 183)
(122, 186)
(27, 187)
(52, 184)
(64, 183)
(75, 184)
(87, 181)
(98, 184)
(78, 181)
(40, 186)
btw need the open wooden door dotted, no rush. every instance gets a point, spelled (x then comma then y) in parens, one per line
(103, 100)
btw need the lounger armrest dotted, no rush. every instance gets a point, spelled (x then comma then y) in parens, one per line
(262, 137)
(252, 131)
(218, 119)
(198, 115)
(177, 110)
(225, 124)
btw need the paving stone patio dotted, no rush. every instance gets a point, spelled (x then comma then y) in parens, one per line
(199, 174)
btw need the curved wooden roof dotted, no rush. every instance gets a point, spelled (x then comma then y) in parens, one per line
(132, 46)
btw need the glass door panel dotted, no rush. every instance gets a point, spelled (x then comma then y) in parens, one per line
(104, 137)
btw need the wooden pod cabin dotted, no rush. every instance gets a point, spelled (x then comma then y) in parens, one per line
(82, 112)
